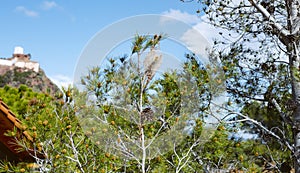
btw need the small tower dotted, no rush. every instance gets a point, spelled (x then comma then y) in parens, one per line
(19, 50)
(19, 54)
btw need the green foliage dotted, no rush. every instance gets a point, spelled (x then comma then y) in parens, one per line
(259, 68)
(256, 77)
(125, 90)
(124, 94)
(15, 75)
(121, 84)
(21, 99)
(58, 140)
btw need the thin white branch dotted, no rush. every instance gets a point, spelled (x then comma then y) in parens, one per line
(266, 14)
(291, 148)
(258, 124)
(185, 158)
(73, 147)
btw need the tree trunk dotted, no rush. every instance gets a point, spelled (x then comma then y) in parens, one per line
(296, 113)
(293, 51)
(289, 36)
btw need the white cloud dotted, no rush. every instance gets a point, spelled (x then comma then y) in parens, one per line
(183, 16)
(195, 42)
(208, 31)
(50, 5)
(201, 35)
(27, 12)
(61, 80)
(47, 5)
(200, 24)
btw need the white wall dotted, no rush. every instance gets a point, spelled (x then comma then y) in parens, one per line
(29, 65)
(33, 66)
(20, 64)
(6, 62)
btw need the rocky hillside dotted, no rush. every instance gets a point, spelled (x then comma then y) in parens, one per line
(38, 81)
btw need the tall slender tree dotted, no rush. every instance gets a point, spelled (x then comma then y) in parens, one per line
(262, 38)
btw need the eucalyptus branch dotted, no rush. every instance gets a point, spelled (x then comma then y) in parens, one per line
(282, 114)
(258, 124)
(282, 31)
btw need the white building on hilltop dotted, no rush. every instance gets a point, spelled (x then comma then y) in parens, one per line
(19, 59)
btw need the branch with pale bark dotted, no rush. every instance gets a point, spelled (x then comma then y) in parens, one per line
(256, 123)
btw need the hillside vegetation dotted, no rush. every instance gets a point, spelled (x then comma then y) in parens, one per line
(38, 81)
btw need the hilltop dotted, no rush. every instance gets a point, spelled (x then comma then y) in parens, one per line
(20, 69)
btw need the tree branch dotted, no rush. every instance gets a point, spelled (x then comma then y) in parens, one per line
(282, 114)
(283, 33)
(259, 125)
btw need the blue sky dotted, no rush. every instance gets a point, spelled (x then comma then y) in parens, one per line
(55, 32)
